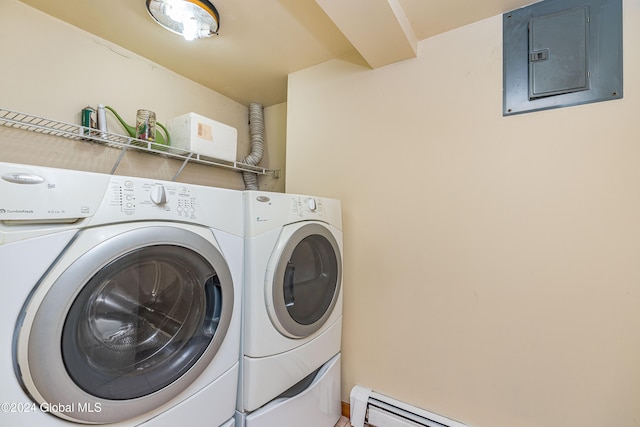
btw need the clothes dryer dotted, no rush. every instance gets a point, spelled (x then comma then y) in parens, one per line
(120, 301)
(292, 313)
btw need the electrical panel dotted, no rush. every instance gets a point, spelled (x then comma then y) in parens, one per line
(559, 53)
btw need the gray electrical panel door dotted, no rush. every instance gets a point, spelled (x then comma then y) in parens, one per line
(558, 53)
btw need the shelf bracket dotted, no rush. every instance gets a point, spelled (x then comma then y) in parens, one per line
(184, 164)
(123, 151)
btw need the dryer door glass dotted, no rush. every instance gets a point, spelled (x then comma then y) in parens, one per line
(307, 280)
(310, 279)
(141, 322)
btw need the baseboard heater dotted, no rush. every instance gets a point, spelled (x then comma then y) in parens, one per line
(382, 411)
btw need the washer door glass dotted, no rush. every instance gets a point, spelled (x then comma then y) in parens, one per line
(307, 280)
(129, 321)
(141, 322)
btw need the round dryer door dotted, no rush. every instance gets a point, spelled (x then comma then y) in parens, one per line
(306, 279)
(148, 311)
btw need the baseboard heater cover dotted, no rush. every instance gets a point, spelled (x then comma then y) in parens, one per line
(382, 411)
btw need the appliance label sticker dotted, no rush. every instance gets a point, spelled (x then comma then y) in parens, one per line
(205, 132)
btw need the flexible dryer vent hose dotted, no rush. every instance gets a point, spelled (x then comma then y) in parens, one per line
(256, 133)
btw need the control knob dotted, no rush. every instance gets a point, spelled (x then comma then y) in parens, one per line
(159, 195)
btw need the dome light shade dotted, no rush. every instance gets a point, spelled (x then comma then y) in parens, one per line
(192, 19)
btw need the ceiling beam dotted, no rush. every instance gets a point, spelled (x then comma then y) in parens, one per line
(378, 29)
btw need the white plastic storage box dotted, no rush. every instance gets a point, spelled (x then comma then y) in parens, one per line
(203, 136)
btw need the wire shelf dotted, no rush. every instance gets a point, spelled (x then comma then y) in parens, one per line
(18, 120)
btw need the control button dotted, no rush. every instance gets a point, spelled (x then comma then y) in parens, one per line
(311, 204)
(128, 184)
(159, 195)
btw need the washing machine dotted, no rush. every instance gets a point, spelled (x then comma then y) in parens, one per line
(292, 312)
(120, 300)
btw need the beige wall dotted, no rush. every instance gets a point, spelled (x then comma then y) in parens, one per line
(491, 265)
(53, 70)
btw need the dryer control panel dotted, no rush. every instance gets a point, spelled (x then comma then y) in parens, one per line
(306, 207)
(267, 211)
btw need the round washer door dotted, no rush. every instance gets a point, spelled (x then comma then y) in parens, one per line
(128, 325)
(304, 279)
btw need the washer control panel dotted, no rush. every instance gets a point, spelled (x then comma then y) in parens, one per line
(152, 199)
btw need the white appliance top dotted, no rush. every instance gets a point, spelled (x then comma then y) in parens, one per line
(41, 195)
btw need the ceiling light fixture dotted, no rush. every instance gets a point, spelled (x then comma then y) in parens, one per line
(192, 19)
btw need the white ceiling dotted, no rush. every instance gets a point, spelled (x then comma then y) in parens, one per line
(261, 41)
